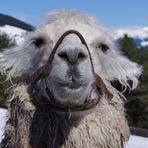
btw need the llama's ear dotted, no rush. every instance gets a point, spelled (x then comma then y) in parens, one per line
(11, 62)
(116, 66)
(16, 61)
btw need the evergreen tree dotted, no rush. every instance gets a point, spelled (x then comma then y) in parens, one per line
(137, 102)
(129, 48)
(5, 42)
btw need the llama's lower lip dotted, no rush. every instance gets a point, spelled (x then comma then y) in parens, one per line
(71, 85)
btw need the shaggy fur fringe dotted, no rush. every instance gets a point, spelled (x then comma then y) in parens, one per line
(31, 125)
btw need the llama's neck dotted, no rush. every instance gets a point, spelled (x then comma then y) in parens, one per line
(50, 129)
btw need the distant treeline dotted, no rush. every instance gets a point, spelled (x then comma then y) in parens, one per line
(137, 101)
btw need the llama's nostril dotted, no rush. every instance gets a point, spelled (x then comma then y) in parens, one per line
(81, 56)
(63, 55)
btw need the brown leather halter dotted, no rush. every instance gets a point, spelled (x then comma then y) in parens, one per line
(100, 86)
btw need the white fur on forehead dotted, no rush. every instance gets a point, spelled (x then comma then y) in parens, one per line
(71, 16)
(61, 21)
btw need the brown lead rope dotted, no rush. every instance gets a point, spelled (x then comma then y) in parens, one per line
(45, 70)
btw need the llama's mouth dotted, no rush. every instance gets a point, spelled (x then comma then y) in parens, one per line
(71, 84)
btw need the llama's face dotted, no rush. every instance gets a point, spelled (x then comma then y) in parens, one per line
(71, 78)
(71, 75)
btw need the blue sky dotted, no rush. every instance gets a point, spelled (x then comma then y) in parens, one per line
(111, 13)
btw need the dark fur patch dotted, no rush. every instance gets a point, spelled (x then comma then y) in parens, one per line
(48, 130)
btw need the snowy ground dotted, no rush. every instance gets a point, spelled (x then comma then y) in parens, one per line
(137, 142)
(14, 32)
(2, 121)
(134, 142)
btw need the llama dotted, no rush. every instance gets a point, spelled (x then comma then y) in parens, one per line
(65, 98)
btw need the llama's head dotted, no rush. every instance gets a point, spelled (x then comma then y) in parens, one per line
(71, 77)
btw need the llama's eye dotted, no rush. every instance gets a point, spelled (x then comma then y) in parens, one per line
(38, 42)
(103, 47)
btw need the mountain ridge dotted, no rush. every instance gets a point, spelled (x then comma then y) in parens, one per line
(12, 21)
(139, 34)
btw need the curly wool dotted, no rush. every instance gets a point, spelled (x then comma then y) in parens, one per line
(33, 126)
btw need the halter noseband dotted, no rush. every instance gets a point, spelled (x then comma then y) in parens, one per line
(99, 84)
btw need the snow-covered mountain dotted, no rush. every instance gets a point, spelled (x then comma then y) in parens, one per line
(14, 27)
(139, 34)
(13, 32)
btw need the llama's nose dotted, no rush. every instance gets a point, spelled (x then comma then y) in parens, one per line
(73, 56)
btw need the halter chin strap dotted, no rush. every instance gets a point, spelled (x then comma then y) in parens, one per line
(76, 111)
(99, 84)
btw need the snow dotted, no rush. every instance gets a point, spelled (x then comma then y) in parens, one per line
(144, 43)
(140, 34)
(134, 32)
(137, 142)
(134, 142)
(2, 121)
(13, 32)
